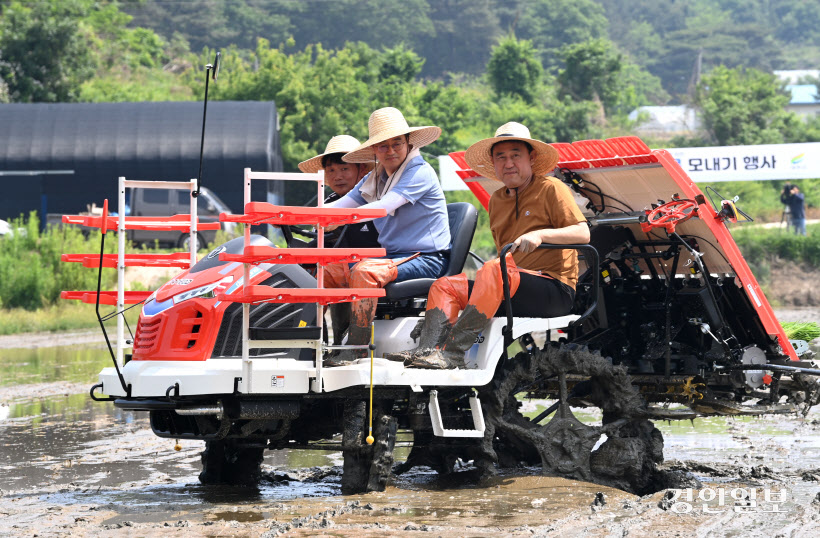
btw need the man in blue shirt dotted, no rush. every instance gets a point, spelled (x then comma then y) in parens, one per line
(415, 233)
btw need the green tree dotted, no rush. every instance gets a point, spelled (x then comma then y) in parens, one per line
(668, 36)
(640, 88)
(319, 93)
(450, 107)
(641, 42)
(513, 69)
(592, 72)
(748, 45)
(740, 107)
(465, 32)
(379, 23)
(553, 24)
(401, 63)
(549, 117)
(218, 24)
(44, 52)
(133, 64)
(664, 16)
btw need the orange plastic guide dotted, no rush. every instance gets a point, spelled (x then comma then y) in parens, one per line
(106, 297)
(175, 259)
(180, 223)
(265, 213)
(266, 294)
(106, 222)
(105, 217)
(323, 256)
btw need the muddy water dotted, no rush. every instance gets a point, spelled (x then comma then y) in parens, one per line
(70, 465)
(23, 366)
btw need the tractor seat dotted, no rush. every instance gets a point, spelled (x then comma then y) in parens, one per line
(462, 217)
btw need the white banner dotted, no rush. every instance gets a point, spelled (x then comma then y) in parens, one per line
(750, 163)
(715, 164)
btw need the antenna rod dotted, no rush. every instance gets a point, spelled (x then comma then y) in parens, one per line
(202, 140)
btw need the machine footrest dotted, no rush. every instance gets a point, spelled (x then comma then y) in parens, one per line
(438, 425)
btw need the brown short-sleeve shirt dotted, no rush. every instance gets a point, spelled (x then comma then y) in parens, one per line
(545, 203)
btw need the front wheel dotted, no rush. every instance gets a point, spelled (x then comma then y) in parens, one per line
(367, 467)
(231, 462)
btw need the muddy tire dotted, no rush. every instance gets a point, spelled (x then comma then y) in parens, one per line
(627, 460)
(231, 462)
(367, 467)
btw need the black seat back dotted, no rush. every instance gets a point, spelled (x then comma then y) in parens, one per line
(463, 218)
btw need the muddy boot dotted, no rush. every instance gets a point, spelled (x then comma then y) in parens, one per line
(344, 357)
(339, 321)
(434, 332)
(461, 338)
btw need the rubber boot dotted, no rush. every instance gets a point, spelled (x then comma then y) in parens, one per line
(361, 315)
(343, 357)
(339, 321)
(461, 338)
(434, 332)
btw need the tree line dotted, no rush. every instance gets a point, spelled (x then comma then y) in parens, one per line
(569, 69)
(457, 36)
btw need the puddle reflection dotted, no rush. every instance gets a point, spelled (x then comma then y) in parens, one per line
(47, 364)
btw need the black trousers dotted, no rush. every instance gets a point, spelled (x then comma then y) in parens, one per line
(538, 297)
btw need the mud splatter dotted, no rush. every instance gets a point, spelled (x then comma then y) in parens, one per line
(627, 459)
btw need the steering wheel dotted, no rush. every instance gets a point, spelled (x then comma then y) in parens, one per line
(670, 215)
(288, 232)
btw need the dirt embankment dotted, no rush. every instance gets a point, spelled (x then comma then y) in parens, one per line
(793, 285)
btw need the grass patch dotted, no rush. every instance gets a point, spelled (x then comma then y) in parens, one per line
(32, 276)
(62, 316)
(762, 247)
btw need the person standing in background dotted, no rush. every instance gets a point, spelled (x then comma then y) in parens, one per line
(796, 202)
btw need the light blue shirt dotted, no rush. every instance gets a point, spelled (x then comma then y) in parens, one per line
(421, 225)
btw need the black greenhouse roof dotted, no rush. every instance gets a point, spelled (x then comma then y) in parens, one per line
(149, 141)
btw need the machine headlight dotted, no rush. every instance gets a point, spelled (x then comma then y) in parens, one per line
(205, 292)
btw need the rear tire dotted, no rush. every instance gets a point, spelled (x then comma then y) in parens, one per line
(231, 462)
(627, 460)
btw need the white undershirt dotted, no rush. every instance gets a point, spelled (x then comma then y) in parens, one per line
(391, 202)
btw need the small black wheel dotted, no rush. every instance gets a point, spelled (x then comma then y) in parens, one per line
(231, 462)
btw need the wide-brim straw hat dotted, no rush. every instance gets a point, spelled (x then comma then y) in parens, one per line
(480, 159)
(338, 144)
(387, 123)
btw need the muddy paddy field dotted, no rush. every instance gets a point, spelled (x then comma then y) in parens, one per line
(73, 467)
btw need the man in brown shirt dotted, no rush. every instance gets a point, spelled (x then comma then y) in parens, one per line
(530, 209)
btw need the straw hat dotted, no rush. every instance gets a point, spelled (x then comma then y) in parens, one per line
(479, 158)
(387, 123)
(338, 144)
